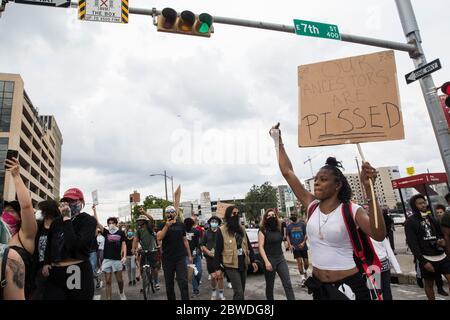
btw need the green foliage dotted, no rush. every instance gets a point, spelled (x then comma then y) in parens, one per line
(259, 197)
(150, 202)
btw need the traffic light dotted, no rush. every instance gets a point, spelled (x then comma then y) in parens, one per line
(185, 23)
(446, 90)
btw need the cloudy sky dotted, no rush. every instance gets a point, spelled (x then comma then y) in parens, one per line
(131, 101)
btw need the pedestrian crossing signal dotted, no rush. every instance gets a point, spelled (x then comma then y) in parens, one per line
(185, 23)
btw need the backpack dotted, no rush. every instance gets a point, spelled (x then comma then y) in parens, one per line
(364, 254)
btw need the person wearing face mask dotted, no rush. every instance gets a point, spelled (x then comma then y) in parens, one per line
(175, 247)
(296, 237)
(270, 238)
(425, 239)
(69, 242)
(21, 222)
(234, 252)
(49, 211)
(146, 237)
(131, 258)
(114, 256)
(208, 247)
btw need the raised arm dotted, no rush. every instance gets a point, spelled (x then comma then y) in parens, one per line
(28, 228)
(99, 225)
(367, 222)
(287, 170)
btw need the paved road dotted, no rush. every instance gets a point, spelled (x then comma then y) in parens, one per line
(255, 290)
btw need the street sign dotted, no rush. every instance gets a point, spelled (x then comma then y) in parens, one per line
(317, 29)
(49, 3)
(423, 71)
(115, 11)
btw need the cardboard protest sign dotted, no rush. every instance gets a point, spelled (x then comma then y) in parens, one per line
(177, 198)
(95, 197)
(351, 100)
(221, 207)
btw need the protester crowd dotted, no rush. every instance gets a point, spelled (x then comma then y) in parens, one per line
(60, 252)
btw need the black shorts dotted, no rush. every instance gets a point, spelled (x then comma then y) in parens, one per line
(210, 265)
(301, 254)
(441, 267)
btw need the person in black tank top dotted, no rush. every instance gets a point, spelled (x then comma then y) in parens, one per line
(270, 238)
(20, 219)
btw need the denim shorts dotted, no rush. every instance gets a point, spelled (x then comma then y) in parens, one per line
(110, 266)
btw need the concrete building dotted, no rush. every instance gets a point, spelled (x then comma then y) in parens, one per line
(36, 137)
(286, 199)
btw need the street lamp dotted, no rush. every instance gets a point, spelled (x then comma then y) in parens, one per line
(165, 182)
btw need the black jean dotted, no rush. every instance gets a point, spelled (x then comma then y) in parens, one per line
(178, 266)
(279, 265)
(74, 282)
(330, 291)
(386, 285)
(238, 279)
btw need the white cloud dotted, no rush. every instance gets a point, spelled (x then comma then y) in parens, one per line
(120, 93)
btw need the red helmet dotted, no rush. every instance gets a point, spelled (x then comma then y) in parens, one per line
(73, 194)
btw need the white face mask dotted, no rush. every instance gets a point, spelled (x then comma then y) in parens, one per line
(39, 215)
(113, 228)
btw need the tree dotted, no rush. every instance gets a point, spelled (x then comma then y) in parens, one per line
(150, 202)
(259, 197)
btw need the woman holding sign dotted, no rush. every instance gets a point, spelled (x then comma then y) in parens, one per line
(332, 228)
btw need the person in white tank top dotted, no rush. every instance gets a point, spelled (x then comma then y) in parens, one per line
(330, 245)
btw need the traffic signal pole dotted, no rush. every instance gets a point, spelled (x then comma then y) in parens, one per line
(437, 116)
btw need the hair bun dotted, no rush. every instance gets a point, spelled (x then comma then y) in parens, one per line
(331, 161)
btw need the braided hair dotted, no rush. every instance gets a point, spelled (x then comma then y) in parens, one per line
(334, 166)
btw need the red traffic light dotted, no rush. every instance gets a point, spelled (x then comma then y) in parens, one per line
(446, 88)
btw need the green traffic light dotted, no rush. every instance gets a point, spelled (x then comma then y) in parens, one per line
(206, 21)
(204, 28)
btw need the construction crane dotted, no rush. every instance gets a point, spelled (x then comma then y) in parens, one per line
(310, 163)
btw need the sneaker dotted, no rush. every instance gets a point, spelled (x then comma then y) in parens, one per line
(209, 277)
(157, 286)
(213, 297)
(442, 292)
(122, 296)
(130, 283)
(303, 283)
(99, 284)
(221, 298)
(133, 282)
(229, 285)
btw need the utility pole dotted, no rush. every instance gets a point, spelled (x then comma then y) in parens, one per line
(165, 183)
(310, 164)
(437, 116)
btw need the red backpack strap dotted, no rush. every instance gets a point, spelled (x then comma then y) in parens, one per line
(312, 207)
(358, 248)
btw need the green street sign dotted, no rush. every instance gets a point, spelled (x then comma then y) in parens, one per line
(317, 29)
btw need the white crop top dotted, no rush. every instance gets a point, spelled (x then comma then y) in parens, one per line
(334, 252)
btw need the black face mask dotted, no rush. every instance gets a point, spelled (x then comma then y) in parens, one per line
(233, 224)
(294, 219)
(272, 224)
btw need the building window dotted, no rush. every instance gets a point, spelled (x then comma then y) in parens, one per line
(3, 151)
(6, 95)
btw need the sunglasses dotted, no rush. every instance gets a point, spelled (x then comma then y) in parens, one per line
(170, 211)
(235, 212)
